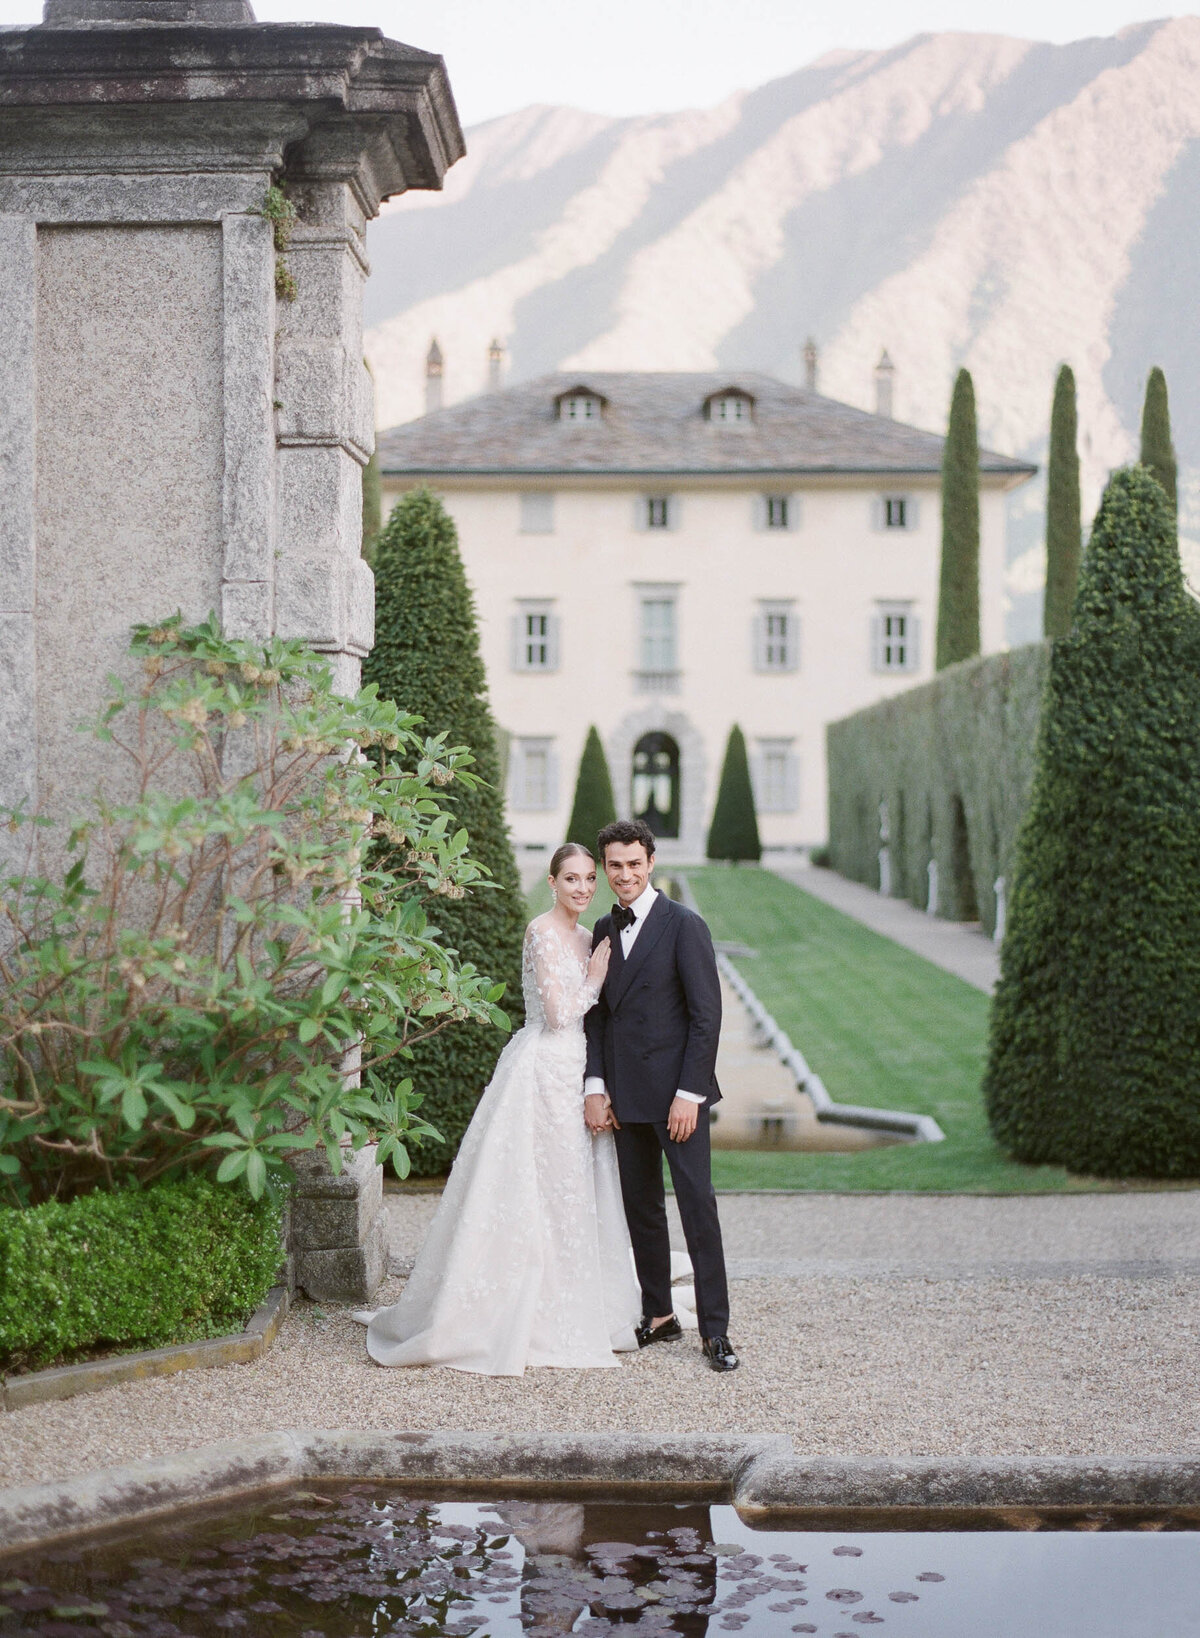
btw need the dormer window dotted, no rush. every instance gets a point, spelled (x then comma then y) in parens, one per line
(580, 406)
(730, 408)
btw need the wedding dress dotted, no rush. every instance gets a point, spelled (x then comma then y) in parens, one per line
(527, 1261)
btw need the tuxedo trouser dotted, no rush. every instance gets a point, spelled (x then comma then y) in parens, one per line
(641, 1146)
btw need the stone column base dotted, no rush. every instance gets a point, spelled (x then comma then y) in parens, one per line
(339, 1228)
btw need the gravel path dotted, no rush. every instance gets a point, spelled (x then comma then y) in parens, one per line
(889, 1325)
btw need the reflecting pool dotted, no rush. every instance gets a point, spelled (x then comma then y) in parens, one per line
(358, 1560)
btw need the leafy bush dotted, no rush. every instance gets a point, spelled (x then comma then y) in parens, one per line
(953, 762)
(134, 1268)
(1095, 1055)
(733, 834)
(594, 805)
(196, 985)
(958, 592)
(427, 655)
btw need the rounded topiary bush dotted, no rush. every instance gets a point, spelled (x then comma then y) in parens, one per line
(426, 658)
(1094, 1057)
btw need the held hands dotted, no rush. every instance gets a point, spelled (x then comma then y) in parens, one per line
(597, 1114)
(681, 1119)
(598, 963)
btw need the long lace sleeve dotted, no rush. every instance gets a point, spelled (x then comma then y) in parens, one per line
(560, 979)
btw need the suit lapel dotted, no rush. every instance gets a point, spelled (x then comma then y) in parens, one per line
(651, 930)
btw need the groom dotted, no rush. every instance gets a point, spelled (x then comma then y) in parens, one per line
(651, 1060)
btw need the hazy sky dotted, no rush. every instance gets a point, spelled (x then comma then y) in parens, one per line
(644, 56)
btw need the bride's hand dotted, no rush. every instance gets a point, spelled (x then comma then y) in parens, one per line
(598, 965)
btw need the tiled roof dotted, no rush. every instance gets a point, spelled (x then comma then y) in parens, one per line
(655, 423)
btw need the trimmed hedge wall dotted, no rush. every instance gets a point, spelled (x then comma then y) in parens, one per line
(954, 761)
(137, 1268)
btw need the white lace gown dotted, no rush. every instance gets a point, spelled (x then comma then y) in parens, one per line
(527, 1261)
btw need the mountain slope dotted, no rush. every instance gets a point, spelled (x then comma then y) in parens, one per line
(962, 199)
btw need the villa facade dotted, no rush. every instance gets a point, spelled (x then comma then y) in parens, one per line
(665, 555)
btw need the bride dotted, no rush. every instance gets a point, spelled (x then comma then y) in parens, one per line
(527, 1261)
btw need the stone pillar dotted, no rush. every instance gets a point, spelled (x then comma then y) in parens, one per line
(339, 1238)
(172, 433)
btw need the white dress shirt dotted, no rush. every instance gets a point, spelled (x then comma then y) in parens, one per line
(641, 908)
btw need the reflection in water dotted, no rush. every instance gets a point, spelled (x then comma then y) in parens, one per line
(602, 1562)
(360, 1562)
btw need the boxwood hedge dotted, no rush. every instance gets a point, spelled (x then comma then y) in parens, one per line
(135, 1268)
(952, 763)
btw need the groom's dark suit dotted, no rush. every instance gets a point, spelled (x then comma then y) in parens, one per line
(653, 1033)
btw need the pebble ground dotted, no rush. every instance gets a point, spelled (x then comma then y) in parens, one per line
(872, 1325)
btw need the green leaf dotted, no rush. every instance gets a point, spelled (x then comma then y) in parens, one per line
(256, 1173)
(133, 1105)
(232, 1166)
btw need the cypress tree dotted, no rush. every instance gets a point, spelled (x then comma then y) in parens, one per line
(372, 507)
(1064, 533)
(733, 834)
(426, 657)
(1094, 1058)
(372, 493)
(594, 806)
(1158, 452)
(958, 593)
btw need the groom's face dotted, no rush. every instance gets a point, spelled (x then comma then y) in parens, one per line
(628, 868)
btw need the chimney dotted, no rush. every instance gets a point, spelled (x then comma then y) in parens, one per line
(810, 365)
(433, 377)
(495, 365)
(885, 382)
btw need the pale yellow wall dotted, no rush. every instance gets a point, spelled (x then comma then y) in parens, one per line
(835, 566)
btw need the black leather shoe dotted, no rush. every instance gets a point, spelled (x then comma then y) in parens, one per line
(669, 1331)
(719, 1354)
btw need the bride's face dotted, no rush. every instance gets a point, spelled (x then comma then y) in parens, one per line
(575, 884)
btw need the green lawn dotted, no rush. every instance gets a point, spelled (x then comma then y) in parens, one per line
(881, 1026)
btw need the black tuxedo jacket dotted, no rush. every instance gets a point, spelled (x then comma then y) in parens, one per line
(655, 1028)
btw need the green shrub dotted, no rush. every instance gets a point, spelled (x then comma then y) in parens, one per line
(427, 655)
(733, 834)
(953, 761)
(1158, 452)
(1064, 529)
(184, 995)
(958, 591)
(594, 805)
(135, 1268)
(1095, 1053)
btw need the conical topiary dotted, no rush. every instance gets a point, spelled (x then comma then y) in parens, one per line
(1158, 452)
(593, 807)
(958, 592)
(1064, 529)
(1095, 1055)
(733, 834)
(426, 657)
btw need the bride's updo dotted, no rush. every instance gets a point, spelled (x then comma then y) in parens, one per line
(568, 851)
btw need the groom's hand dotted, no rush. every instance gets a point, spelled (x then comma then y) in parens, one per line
(681, 1119)
(597, 1112)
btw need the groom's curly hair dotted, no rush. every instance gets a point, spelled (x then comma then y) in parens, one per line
(626, 831)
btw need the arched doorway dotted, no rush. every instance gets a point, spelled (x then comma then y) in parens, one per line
(655, 785)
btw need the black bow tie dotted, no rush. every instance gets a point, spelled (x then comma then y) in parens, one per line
(622, 917)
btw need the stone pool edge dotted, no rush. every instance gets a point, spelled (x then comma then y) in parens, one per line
(760, 1475)
(65, 1381)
